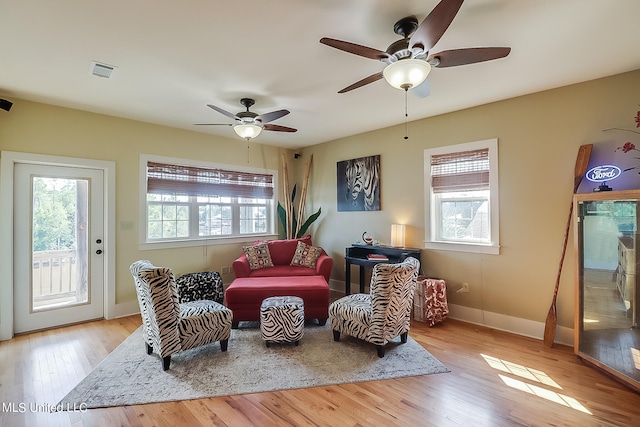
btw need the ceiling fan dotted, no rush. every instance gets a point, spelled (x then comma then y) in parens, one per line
(249, 124)
(408, 59)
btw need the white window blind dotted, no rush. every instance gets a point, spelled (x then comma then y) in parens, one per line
(196, 181)
(460, 171)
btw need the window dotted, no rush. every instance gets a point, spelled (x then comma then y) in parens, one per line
(461, 200)
(190, 201)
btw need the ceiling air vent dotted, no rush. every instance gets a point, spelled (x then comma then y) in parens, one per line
(101, 70)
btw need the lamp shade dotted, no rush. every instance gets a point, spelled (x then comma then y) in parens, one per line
(247, 131)
(406, 73)
(397, 235)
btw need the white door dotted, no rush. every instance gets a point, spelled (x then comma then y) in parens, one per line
(58, 246)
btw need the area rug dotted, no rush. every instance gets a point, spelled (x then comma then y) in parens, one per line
(128, 376)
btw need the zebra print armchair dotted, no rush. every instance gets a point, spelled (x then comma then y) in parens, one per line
(384, 313)
(169, 326)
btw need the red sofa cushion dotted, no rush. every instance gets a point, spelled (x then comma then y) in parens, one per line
(283, 270)
(282, 251)
(252, 289)
(245, 295)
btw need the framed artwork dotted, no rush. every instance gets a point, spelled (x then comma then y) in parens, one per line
(359, 184)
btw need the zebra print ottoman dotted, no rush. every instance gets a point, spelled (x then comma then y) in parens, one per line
(282, 319)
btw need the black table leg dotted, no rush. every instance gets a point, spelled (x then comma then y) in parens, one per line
(362, 279)
(347, 279)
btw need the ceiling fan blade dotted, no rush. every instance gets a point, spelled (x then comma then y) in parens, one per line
(213, 124)
(274, 115)
(455, 57)
(435, 24)
(279, 128)
(422, 90)
(224, 112)
(372, 78)
(356, 49)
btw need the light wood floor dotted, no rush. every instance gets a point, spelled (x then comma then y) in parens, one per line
(603, 305)
(609, 335)
(496, 379)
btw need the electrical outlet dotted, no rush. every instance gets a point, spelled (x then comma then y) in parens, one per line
(225, 269)
(465, 287)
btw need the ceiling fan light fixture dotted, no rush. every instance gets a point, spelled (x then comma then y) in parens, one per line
(248, 130)
(406, 73)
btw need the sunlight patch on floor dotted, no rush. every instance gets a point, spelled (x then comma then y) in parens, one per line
(545, 394)
(530, 374)
(519, 370)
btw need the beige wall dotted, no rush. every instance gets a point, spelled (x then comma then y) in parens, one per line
(44, 129)
(538, 139)
(538, 135)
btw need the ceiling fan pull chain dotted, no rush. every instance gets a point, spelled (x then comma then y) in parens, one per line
(406, 115)
(248, 151)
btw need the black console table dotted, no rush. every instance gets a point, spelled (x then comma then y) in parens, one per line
(357, 254)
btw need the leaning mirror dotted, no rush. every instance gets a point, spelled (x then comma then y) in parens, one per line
(606, 237)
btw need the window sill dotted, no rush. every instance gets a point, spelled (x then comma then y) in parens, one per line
(464, 247)
(147, 246)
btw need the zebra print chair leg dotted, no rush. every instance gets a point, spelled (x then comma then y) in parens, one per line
(166, 361)
(149, 348)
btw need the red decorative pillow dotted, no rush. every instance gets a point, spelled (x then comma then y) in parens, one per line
(306, 255)
(258, 256)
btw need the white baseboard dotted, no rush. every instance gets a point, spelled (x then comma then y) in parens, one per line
(336, 285)
(515, 325)
(127, 308)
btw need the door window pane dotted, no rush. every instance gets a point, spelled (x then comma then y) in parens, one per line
(59, 243)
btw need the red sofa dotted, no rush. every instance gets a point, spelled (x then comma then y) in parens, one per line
(246, 293)
(282, 252)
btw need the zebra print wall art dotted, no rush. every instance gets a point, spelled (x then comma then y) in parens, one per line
(359, 184)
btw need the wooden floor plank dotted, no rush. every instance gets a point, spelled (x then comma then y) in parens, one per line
(496, 378)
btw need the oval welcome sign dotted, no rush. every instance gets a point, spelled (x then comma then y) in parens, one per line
(603, 173)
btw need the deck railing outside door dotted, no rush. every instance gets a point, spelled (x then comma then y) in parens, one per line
(54, 278)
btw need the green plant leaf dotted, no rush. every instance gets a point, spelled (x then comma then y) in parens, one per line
(282, 215)
(303, 230)
(294, 222)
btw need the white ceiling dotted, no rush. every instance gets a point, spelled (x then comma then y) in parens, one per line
(173, 58)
